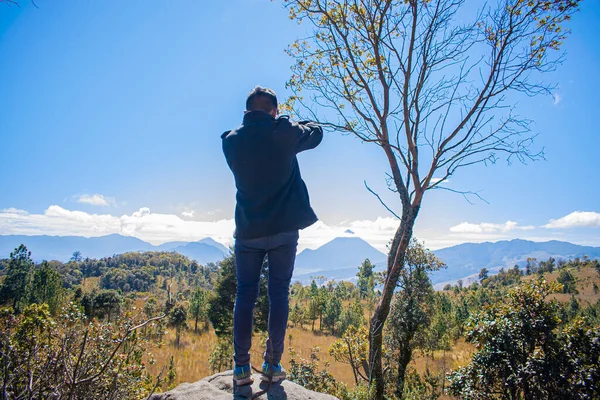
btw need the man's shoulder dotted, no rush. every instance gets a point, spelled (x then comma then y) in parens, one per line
(226, 133)
(229, 133)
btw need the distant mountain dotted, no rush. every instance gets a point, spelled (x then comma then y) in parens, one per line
(337, 259)
(201, 252)
(62, 247)
(340, 258)
(214, 243)
(465, 260)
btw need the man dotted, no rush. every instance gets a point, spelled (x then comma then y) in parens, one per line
(272, 205)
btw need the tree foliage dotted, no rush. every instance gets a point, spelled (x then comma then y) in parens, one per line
(522, 353)
(19, 274)
(220, 311)
(42, 357)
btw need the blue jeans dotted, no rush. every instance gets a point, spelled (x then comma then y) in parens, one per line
(249, 257)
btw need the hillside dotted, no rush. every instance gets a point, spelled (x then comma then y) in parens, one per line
(61, 248)
(466, 260)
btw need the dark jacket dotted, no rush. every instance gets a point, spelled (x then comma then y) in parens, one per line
(271, 195)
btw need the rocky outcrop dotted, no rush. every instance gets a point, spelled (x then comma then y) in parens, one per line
(220, 387)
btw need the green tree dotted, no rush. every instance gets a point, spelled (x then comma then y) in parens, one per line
(47, 287)
(366, 280)
(76, 257)
(314, 304)
(18, 277)
(352, 349)
(67, 357)
(178, 319)
(522, 353)
(220, 311)
(409, 314)
(390, 72)
(352, 315)
(568, 281)
(483, 274)
(107, 303)
(221, 355)
(199, 305)
(332, 311)
(297, 315)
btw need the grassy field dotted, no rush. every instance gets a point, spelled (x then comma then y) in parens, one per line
(191, 358)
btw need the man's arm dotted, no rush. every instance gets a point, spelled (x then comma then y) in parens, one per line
(311, 136)
(306, 135)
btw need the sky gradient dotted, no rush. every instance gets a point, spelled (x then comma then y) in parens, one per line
(112, 113)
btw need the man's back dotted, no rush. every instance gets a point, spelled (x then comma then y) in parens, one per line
(272, 206)
(271, 195)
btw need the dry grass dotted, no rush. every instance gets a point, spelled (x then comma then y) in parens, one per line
(191, 358)
(89, 284)
(586, 277)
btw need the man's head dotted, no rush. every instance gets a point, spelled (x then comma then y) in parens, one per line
(262, 99)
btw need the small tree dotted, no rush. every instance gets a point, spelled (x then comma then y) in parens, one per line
(107, 303)
(432, 91)
(67, 357)
(199, 305)
(483, 274)
(522, 352)
(366, 280)
(18, 277)
(568, 281)
(221, 355)
(178, 319)
(333, 310)
(47, 287)
(220, 311)
(76, 256)
(352, 349)
(410, 314)
(352, 315)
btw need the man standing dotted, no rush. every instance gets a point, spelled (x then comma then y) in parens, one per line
(272, 205)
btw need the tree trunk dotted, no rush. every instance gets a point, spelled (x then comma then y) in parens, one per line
(395, 263)
(403, 360)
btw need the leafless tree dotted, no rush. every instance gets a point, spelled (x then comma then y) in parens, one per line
(436, 94)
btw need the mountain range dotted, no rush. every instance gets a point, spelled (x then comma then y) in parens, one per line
(338, 259)
(61, 248)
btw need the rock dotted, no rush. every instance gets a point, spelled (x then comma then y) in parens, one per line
(220, 387)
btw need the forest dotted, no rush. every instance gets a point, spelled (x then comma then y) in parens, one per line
(133, 324)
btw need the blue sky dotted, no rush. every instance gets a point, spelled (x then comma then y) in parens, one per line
(112, 113)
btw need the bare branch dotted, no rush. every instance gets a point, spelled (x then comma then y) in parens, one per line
(380, 200)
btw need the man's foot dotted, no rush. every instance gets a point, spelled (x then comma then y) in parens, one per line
(275, 372)
(242, 375)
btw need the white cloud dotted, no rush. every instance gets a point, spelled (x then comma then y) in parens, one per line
(486, 227)
(576, 219)
(148, 226)
(188, 214)
(12, 210)
(436, 180)
(95, 200)
(159, 228)
(557, 98)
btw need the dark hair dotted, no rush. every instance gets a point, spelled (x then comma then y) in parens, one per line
(262, 99)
